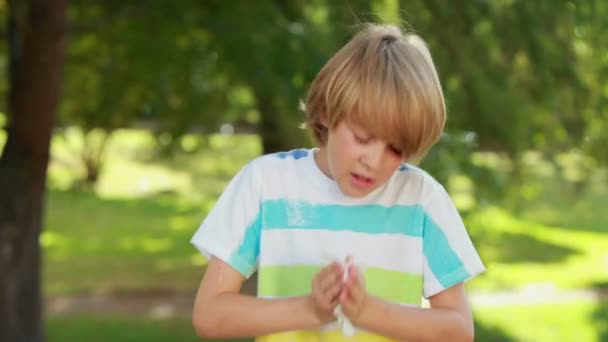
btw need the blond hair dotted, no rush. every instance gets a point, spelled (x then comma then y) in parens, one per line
(384, 81)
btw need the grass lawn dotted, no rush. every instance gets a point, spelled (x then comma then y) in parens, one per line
(581, 322)
(98, 245)
(119, 329)
(102, 246)
(520, 253)
(132, 233)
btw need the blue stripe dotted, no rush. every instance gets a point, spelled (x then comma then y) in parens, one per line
(443, 261)
(246, 256)
(370, 219)
(295, 154)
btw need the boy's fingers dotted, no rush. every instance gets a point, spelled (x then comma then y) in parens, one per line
(321, 278)
(334, 291)
(315, 285)
(336, 270)
(356, 274)
(321, 301)
(318, 292)
(349, 302)
(355, 294)
(323, 273)
(348, 305)
(333, 276)
(315, 290)
(344, 296)
(357, 279)
(328, 281)
(326, 286)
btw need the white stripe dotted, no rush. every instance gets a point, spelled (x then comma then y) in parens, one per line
(287, 247)
(444, 213)
(222, 230)
(431, 285)
(288, 180)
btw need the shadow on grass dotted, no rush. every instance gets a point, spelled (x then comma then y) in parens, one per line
(510, 247)
(601, 286)
(101, 245)
(104, 328)
(600, 320)
(118, 329)
(485, 333)
(584, 211)
(600, 314)
(526, 248)
(157, 203)
(581, 215)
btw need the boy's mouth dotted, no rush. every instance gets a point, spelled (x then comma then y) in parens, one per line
(361, 181)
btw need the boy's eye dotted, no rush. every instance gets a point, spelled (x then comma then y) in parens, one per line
(395, 150)
(361, 139)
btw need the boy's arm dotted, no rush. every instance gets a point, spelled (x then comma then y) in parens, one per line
(221, 312)
(448, 319)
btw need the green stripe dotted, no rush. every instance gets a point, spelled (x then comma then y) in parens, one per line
(398, 287)
(288, 281)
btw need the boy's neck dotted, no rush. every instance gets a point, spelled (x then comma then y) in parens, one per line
(320, 158)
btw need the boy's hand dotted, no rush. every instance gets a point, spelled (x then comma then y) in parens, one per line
(326, 287)
(353, 297)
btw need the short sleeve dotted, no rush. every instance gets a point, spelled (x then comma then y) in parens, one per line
(231, 230)
(449, 254)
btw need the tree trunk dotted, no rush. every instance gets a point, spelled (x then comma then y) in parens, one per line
(279, 131)
(36, 35)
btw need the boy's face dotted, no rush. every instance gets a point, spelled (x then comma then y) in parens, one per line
(357, 161)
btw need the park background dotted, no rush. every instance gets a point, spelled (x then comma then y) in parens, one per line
(159, 104)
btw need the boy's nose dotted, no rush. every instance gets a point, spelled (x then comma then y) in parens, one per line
(373, 155)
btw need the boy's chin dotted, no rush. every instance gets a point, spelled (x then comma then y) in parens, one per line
(355, 193)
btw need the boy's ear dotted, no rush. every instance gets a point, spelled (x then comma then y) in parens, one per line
(323, 126)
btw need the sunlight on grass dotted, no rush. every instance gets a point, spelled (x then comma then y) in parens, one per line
(461, 191)
(541, 167)
(490, 160)
(583, 321)
(126, 176)
(561, 205)
(137, 180)
(573, 165)
(198, 260)
(98, 245)
(2, 138)
(152, 245)
(52, 240)
(134, 169)
(180, 223)
(519, 252)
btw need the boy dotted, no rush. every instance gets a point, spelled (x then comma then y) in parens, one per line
(376, 104)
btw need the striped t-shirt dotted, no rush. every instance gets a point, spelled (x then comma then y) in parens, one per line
(280, 215)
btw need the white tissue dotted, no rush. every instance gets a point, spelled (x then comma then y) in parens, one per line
(348, 330)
